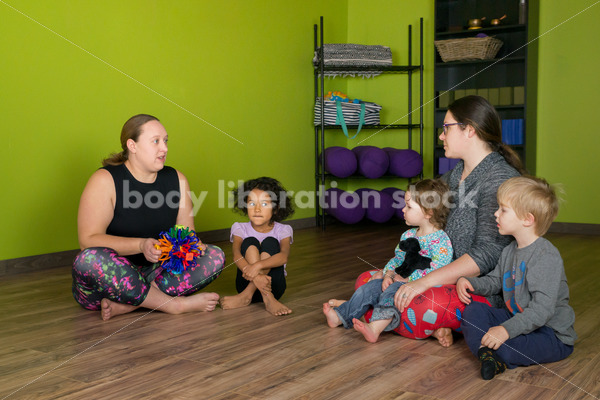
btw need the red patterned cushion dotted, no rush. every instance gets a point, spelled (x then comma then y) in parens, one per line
(438, 307)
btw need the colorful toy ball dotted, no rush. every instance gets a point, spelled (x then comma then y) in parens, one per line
(180, 246)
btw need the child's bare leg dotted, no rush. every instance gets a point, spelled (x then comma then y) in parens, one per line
(332, 318)
(337, 303)
(262, 283)
(245, 297)
(444, 336)
(372, 330)
(272, 305)
(239, 300)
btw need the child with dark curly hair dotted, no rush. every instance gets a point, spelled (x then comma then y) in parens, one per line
(261, 246)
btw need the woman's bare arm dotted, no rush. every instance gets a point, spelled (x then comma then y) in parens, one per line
(96, 210)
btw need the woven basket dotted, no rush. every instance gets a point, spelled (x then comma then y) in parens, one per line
(484, 48)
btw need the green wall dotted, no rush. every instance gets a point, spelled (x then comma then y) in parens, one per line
(70, 80)
(74, 71)
(388, 25)
(568, 90)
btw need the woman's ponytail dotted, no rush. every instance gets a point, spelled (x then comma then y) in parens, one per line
(511, 157)
(115, 159)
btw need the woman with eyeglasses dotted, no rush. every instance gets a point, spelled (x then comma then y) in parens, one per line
(472, 133)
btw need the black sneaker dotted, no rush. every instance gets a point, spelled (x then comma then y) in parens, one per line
(491, 363)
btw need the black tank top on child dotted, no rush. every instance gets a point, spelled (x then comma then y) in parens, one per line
(143, 209)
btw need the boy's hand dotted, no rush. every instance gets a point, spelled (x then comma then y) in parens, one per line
(251, 271)
(462, 286)
(494, 337)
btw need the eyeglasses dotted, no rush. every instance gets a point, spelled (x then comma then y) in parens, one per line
(445, 126)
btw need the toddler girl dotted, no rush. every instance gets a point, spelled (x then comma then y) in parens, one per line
(426, 210)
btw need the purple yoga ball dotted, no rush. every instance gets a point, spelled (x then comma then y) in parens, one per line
(404, 163)
(340, 161)
(344, 206)
(377, 204)
(373, 162)
(398, 200)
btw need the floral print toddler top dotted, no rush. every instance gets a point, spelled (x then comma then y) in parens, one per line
(436, 246)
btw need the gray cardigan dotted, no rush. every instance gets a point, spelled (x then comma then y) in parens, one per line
(471, 223)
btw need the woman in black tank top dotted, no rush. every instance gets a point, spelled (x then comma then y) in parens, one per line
(124, 207)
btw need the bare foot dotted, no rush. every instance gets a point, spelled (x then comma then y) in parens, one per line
(332, 318)
(237, 301)
(336, 303)
(109, 309)
(444, 336)
(200, 302)
(275, 307)
(367, 331)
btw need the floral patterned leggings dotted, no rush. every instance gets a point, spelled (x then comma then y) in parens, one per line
(99, 272)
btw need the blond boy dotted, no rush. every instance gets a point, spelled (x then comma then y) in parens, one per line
(537, 324)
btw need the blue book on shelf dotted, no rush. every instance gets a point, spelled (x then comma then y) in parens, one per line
(512, 131)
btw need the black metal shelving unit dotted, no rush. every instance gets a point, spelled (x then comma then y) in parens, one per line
(513, 66)
(319, 79)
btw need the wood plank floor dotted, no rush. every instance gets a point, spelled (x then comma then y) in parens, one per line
(52, 348)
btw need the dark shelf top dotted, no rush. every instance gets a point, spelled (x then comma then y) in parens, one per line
(491, 30)
(510, 107)
(474, 62)
(389, 69)
(381, 126)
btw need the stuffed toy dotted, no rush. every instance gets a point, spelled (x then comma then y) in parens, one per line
(180, 246)
(412, 260)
